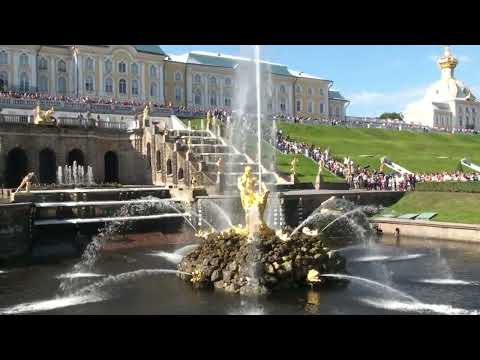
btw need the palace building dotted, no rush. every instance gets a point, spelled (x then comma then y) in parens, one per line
(147, 73)
(448, 103)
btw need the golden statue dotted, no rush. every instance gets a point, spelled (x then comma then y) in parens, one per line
(44, 117)
(293, 170)
(209, 119)
(253, 202)
(146, 113)
(382, 164)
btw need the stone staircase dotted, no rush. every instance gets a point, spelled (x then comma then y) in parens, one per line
(206, 148)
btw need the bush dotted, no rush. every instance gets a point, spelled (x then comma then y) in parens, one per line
(450, 186)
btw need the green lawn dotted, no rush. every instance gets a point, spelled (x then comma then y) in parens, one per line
(416, 151)
(195, 122)
(307, 168)
(451, 207)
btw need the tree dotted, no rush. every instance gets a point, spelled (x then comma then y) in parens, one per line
(392, 116)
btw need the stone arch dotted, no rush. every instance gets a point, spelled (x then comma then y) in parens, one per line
(169, 167)
(76, 155)
(159, 160)
(149, 156)
(17, 167)
(47, 166)
(180, 174)
(111, 167)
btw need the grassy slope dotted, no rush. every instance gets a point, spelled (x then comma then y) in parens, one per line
(451, 207)
(415, 151)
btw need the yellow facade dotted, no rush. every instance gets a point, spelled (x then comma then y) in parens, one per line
(127, 72)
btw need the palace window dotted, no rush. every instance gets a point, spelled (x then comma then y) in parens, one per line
(269, 107)
(43, 83)
(135, 69)
(309, 92)
(42, 64)
(228, 81)
(153, 89)
(198, 78)
(3, 57)
(89, 84)
(473, 110)
(89, 64)
(178, 94)
(3, 81)
(134, 87)
(299, 106)
(178, 76)
(283, 107)
(122, 86)
(213, 81)
(282, 89)
(337, 110)
(24, 83)
(228, 101)
(108, 86)
(321, 109)
(122, 67)
(198, 97)
(108, 66)
(321, 91)
(62, 85)
(24, 59)
(297, 89)
(153, 71)
(310, 107)
(62, 67)
(466, 110)
(213, 98)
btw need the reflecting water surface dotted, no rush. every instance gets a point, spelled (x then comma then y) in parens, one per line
(440, 277)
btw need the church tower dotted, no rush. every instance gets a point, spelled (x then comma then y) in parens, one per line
(447, 64)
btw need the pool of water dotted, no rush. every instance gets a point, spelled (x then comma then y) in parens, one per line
(441, 277)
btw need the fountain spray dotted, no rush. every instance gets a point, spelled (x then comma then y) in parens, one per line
(259, 113)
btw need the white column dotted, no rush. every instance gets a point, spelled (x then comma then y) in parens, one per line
(189, 87)
(162, 84)
(16, 81)
(80, 75)
(100, 86)
(206, 99)
(289, 100)
(144, 88)
(72, 72)
(53, 81)
(33, 61)
(221, 103)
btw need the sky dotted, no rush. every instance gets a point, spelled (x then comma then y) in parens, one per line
(375, 78)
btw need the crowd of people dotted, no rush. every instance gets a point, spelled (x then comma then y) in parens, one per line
(364, 177)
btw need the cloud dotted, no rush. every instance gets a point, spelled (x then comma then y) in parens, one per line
(368, 103)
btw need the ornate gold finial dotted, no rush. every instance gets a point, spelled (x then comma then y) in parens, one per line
(447, 61)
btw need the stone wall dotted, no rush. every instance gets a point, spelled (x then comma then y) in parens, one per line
(93, 143)
(291, 207)
(15, 230)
